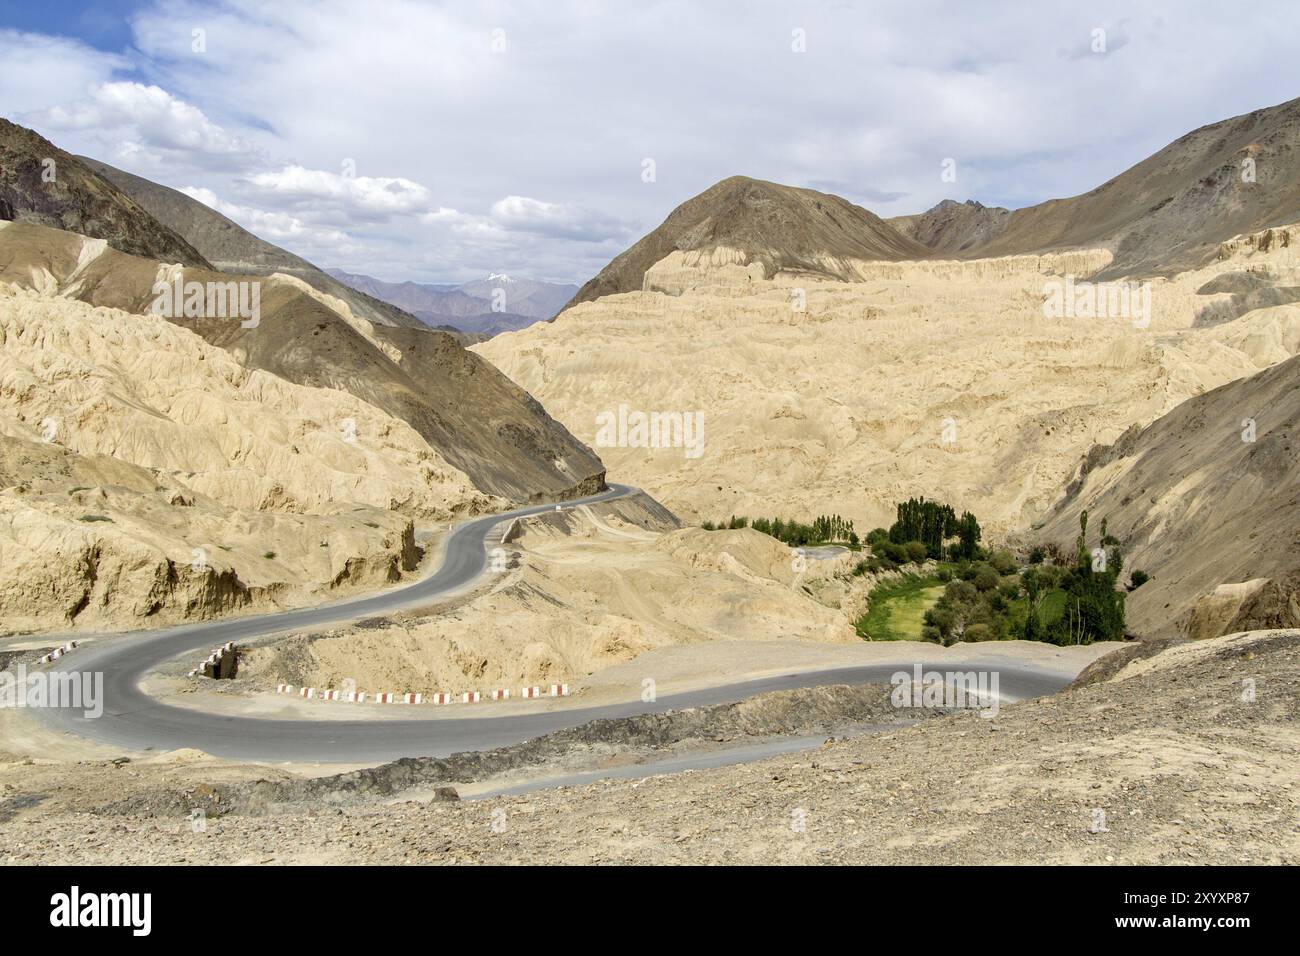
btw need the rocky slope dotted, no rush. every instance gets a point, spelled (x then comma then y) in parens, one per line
(1207, 501)
(951, 228)
(1164, 763)
(780, 228)
(146, 476)
(1171, 211)
(468, 413)
(231, 248)
(41, 184)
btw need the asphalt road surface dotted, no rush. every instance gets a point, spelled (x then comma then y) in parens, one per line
(135, 721)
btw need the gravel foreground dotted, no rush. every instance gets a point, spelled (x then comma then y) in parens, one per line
(1165, 760)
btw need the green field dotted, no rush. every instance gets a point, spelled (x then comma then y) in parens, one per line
(898, 608)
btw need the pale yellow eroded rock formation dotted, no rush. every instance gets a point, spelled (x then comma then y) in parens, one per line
(146, 474)
(939, 378)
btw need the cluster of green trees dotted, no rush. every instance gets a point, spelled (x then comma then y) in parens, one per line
(827, 529)
(1094, 606)
(928, 522)
(1074, 602)
(922, 529)
(1058, 598)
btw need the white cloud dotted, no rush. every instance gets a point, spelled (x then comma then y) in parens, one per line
(364, 195)
(37, 71)
(556, 220)
(158, 119)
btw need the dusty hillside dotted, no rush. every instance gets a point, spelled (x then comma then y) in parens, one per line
(147, 475)
(41, 184)
(779, 227)
(1206, 495)
(1167, 763)
(940, 378)
(231, 248)
(460, 405)
(1170, 211)
(951, 227)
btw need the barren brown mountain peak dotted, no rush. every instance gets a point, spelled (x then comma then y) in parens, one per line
(774, 227)
(42, 184)
(950, 227)
(1170, 212)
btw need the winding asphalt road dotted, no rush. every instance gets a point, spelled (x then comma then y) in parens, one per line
(135, 721)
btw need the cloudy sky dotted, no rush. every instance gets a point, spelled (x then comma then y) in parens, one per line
(443, 141)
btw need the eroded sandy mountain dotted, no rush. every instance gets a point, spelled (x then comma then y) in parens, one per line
(577, 593)
(941, 378)
(146, 475)
(468, 412)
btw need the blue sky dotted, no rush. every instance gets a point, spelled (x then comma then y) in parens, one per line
(442, 141)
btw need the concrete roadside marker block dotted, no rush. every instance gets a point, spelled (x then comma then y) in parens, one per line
(531, 692)
(470, 697)
(279, 688)
(441, 698)
(412, 698)
(502, 694)
(384, 698)
(355, 697)
(559, 690)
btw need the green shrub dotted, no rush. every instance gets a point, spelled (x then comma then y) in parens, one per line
(1003, 562)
